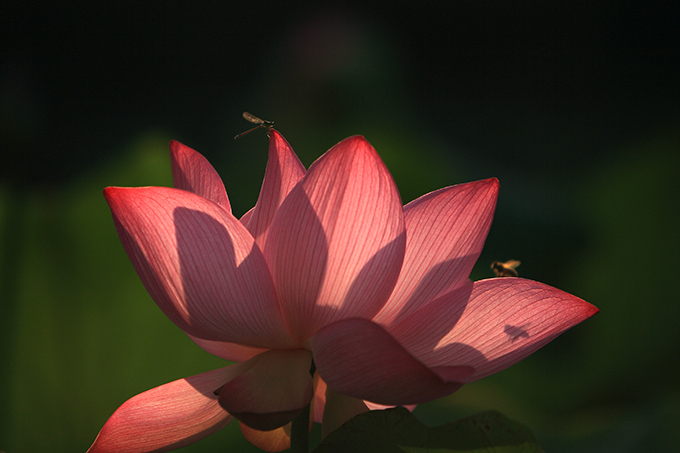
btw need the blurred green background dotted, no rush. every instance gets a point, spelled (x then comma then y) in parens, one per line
(574, 106)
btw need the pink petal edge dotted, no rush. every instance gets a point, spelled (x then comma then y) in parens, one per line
(166, 417)
(445, 231)
(358, 358)
(200, 265)
(504, 321)
(337, 242)
(284, 171)
(227, 351)
(191, 171)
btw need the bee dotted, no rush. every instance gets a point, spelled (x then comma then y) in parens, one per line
(506, 269)
(267, 125)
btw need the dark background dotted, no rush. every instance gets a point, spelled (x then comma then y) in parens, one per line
(573, 106)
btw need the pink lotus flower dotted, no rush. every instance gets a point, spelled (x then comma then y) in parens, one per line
(328, 267)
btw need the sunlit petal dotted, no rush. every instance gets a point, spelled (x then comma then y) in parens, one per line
(337, 242)
(200, 265)
(446, 230)
(191, 171)
(328, 269)
(284, 170)
(504, 321)
(166, 417)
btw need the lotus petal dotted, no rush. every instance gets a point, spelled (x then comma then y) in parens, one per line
(359, 358)
(166, 417)
(200, 265)
(337, 242)
(191, 171)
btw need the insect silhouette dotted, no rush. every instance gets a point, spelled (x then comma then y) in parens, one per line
(264, 124)
(516, 332)
(506, 269)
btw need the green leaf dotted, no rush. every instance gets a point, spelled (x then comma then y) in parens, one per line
(397, 430)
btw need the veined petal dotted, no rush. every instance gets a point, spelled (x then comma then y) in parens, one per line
(422, 331)
(200, 265)
(445, 233)
(191, 171)
(359, 358)
(272, 392)
(504, 321)
(228, 351)
(167, 417)
(337, 242)
(245, 218)
(284, 170)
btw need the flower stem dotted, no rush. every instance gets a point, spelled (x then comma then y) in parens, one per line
(299, 431)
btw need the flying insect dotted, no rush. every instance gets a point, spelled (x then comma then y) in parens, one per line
(506, 269)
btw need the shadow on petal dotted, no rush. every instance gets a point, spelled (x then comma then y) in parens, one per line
(429, 295)
(422, 331)
(506, 320)
(226, 286)
(446, 230)
(355, 301)
(311, 295)
(297, 254)
(384, 372)
(275, 387)
(284, 171)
